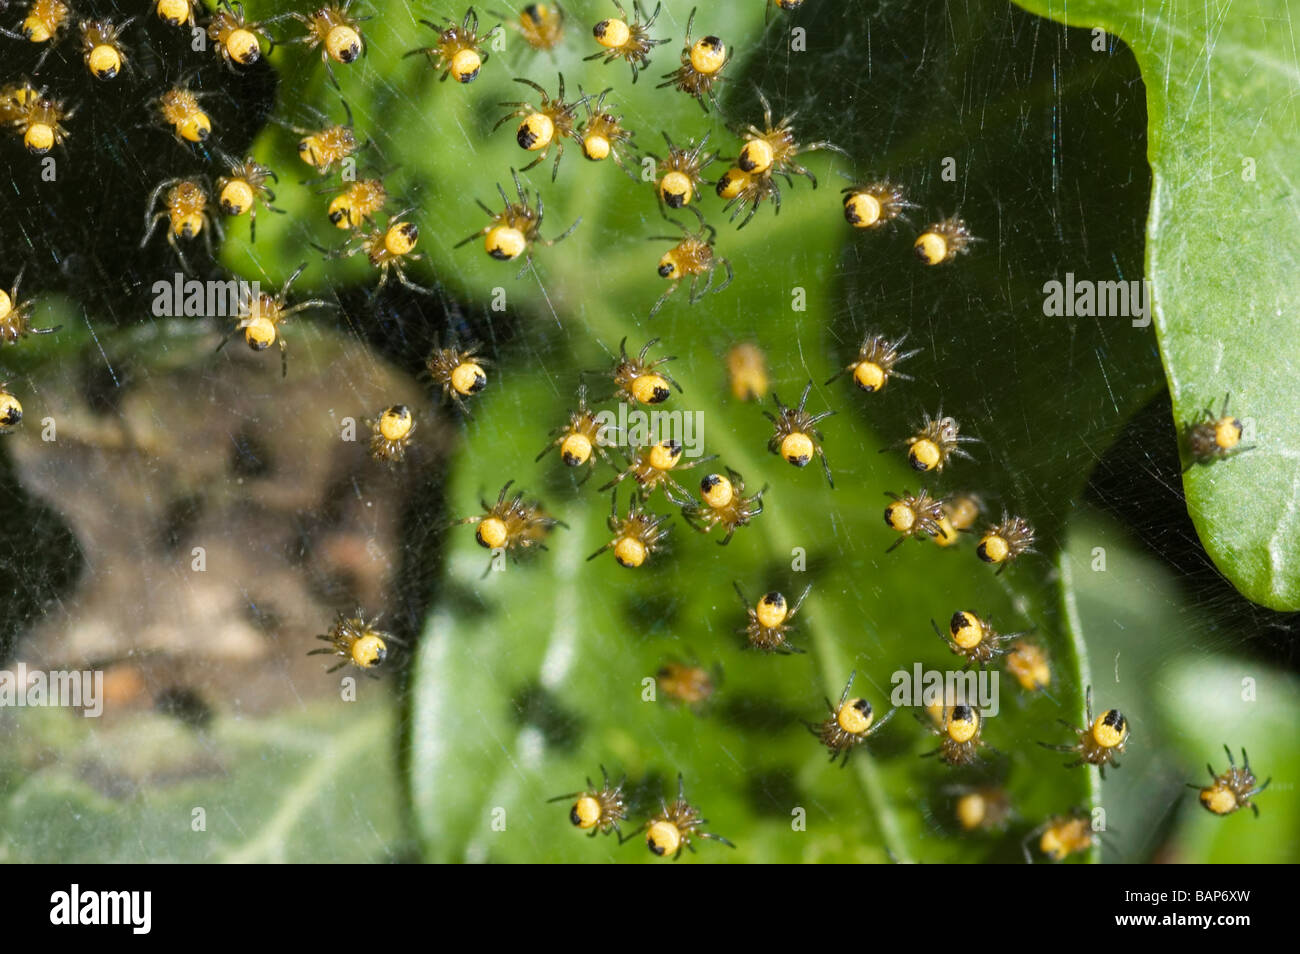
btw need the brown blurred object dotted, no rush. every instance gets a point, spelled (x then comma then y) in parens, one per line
(688, 683)
(222, 516)
(747, 368)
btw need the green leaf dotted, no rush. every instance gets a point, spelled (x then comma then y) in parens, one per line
(528, 679)
(1225, 285)
(1235, 701)
(1119, 599)
(1185, 680)
(301, 787)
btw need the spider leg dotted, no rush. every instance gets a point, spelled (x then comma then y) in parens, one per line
(171, 240)
(697, 293)
(848, 686)
(663, 298)
(730, 275)
(885, 718)
(401, 277)
(567, 232)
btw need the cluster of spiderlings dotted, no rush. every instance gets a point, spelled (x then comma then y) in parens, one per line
(360, 202)
(515, 524)
(872, 205)
(770, 624)
(769, 150)
(599, 810)
(64, 62)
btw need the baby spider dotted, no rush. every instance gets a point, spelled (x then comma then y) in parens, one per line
(11, 409)
(675, 826)
(327, 145)
(636, 536)
(959, 735)
(388, 249)
(186, 214)
(1003, 542)
(744, 191)
(603, 133)
(38, 119)
(747, 370)
(627, 41)
(1100, 741)
(46, 22)
(701, 69)
(1027, 663)
(1061, 836)
(678, 178)
(355, 641)
(771, 150)
(458, 371)
(876, 362)
(13, 96)
(179, 108)
(511, 525)
(390, 434)
(101, 47)
(729, 187)
(652, 468)
(460, 50)
(688, 683)
(913, 514)
(357, 204)
(177, 12)
(943, 241)
(851, 723)
(541, 25)
(581, 440)
(597, 811)
(936, 440)
(1233, 789)
(637, 381)
(235, 38)
(1214, 437)
(243, 188)
(336, 32)
(542, 126)
(16, 316)
(874, 204)
(959, 514)
(260, 319)
(974, 638)
(722, 503)
(770, 620)
(692, 257)
(796, 437)
(516, 228)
